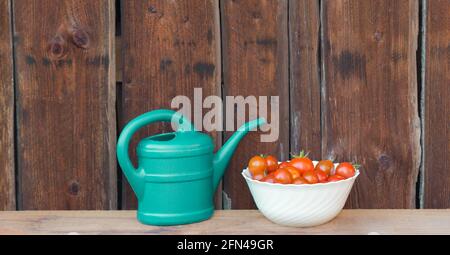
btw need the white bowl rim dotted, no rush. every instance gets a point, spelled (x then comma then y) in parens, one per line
(298, 185)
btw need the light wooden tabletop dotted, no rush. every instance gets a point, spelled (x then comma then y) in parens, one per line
(224, 222)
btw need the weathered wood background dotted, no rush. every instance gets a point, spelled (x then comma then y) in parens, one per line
(358, 80)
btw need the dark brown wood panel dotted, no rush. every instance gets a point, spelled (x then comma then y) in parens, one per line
(7, 177)
(64, 55)
(437, 105)
(255, 57)
(304, 23)
(369, 104)
(169, 48)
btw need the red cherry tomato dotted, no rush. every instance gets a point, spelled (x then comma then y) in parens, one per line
(294, 171)
(311, 177)
(284, 164)
(302, 163)
(300, 180)
(270, 178)
(282, 176)
(345, 170)
(272, 163)
(258, 176)
(326, 166)
(335, 178)
(321, 175)
(257, 165)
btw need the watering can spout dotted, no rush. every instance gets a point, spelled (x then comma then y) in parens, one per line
(223, 156)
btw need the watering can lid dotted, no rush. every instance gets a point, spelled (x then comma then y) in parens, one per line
(175, 144)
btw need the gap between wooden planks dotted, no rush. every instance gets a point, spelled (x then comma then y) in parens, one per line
(369, 221)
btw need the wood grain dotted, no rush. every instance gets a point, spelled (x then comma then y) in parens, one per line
(369, 101)
(228, 222)
(119, 55)
(169, 48)
(64, 55)
(437, 106)
(7, 175)
(304, 23)
(255, 57)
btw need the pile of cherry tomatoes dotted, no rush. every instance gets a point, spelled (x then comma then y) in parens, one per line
(299, 170)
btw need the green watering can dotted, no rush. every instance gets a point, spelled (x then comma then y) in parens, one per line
(178, 172)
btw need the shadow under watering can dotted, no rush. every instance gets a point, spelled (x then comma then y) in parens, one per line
(177, 172)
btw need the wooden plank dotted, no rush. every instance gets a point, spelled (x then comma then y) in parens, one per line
(119, 65)
(369, 103)
(236, 222)
(169, 48)
(255, 57)
(64, 55)
(7, 179)
(437, 106)
(304, 22)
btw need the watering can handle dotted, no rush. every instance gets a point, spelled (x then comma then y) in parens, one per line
(133, 175)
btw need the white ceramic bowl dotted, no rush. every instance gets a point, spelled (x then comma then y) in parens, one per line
(304, 205)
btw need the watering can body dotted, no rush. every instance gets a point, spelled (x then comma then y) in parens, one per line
(177, 172)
